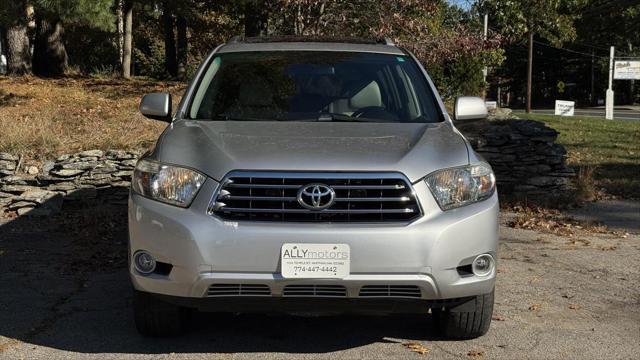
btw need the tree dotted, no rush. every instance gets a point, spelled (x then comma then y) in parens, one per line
(255, 18)
(14, 15)
(49, 54)
(431, 29)
(168, 22)
(128, 41)
(548, 19)
(611, 23)
(182, 46)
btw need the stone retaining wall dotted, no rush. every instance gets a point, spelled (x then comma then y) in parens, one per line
(525, 158)
(84, 177)
(523, 153)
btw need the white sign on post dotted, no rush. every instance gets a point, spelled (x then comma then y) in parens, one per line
(626, 70)
(565, 108)
(491, 105)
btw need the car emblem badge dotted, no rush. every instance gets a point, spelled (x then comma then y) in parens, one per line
(316, 196)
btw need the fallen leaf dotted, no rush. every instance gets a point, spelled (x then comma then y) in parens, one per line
(535, 307)
(475, 354)
(574, 306)
(497, 318)
(416, 348)
(5, 346)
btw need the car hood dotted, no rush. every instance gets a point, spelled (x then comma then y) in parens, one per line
(218, 147)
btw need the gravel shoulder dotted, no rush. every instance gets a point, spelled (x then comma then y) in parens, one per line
(64, 295)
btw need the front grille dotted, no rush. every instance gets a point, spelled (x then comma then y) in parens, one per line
(359, 197)
(390, 291)
(314, 290)
(238, 290)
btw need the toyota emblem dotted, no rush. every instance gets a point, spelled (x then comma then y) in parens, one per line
(316, 196)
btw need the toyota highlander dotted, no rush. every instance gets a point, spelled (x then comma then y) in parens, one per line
(312, 177)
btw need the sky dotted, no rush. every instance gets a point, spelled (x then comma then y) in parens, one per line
(465, 4)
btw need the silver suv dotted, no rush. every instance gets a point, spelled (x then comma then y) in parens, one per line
(312, 176)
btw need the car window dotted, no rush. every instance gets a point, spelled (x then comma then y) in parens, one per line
(313, 85)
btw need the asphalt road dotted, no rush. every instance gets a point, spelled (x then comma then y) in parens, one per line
(618, 114)
(64, 295)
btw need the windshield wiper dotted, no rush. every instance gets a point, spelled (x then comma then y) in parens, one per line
(324, 117)
(337, 117)
(239, 118)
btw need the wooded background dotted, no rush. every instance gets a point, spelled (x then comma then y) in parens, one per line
(163, 39)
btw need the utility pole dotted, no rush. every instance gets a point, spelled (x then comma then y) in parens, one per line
(609, 97)
(529, 70)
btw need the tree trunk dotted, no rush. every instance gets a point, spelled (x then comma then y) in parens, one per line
(18, 55)
(183, 46)
(255, 18)
(127, 49)
(17, 40)
(49, 53)
(169, 39)
(529, 70)
(120, 29)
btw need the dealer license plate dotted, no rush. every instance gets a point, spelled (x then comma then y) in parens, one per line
(308, 261)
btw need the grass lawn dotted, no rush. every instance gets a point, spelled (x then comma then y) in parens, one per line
(610, 147)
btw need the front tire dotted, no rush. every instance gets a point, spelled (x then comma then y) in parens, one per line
(154, 317)
(466, 321)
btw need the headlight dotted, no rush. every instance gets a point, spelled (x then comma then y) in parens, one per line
(461, 186)
(166, 183)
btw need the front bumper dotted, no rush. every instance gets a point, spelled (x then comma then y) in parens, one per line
(205, 250)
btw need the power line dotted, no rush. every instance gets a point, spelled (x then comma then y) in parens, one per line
(569, 50)
(524, 52)
(591, 46)
(602, 48)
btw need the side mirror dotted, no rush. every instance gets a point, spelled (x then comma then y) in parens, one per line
(469, 108)
(156, 106)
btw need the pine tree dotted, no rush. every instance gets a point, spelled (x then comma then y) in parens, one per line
(49, 54)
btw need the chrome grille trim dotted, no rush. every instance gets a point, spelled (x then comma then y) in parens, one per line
(217, 290)
(361, 197)
(410, 291)
(314, 291)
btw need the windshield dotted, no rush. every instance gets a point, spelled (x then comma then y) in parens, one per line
(313, 86)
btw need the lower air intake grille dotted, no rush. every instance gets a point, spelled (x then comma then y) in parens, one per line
(315, 197)
(238, 290)
(315, 290)
(390, 291)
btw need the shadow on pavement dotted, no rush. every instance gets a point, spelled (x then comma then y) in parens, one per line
(64, 285)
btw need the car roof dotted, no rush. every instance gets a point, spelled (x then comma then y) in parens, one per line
(311, 44)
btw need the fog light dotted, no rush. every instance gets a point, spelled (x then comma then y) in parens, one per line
(144, 262)
(483, 265)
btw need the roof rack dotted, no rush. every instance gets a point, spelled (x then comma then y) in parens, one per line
(296, 38)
